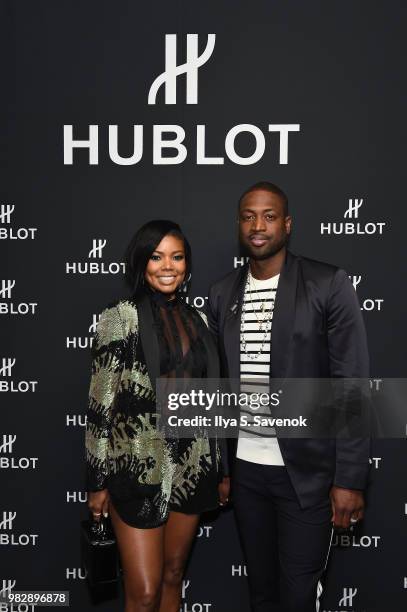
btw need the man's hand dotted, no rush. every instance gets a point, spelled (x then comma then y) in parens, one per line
(98, 504)
(346, 504)
(224, 490)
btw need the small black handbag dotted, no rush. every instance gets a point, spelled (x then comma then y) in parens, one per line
(99, 551)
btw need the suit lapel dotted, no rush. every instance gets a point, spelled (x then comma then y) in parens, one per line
(284, 317)
(212, 370)
(148, 338)
(232, 323)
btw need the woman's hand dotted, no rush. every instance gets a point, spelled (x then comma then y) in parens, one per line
(98, 503)
(224, 490)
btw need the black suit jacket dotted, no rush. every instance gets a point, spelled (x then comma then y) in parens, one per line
(317, 332)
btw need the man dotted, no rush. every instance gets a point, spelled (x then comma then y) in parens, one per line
(284, 316)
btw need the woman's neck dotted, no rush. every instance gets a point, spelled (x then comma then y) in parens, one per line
(167, 297)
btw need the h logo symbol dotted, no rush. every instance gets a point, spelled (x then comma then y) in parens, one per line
(190, 68)
(353, 209)
(7, 364)
(7, 586)
(185, 585)
(5, 212)
(348, 595)
(355, 281)
(97, 246)
(95, 319)
(8, 518)
(8, 441)
(6, 287)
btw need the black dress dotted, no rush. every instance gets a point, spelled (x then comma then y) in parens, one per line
(195, 460)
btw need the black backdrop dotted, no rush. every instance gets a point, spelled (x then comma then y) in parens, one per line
(333, 69)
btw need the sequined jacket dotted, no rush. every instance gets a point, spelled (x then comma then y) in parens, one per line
(121, 434)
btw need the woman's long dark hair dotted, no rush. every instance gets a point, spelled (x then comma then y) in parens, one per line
(142, 246)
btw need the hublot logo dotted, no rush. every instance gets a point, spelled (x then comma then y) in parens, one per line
(368, 304)
(75, 420)
(14, 308)
(95, 267)
(169, 146)
(83, 342)
(75, 573)
(6, 446)
(76, 496)
(9, 233)
(351, 228)
(11, 386)
(13, 539)
(192, 607)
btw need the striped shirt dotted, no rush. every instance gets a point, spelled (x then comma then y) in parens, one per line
(257, 444)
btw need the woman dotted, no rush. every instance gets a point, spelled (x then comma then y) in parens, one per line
(154, 487)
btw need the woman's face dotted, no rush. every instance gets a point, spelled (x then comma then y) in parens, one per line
(166, 268)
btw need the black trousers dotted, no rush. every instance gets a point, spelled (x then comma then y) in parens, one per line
(286, 548)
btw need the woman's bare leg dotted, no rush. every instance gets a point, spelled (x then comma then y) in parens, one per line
(178, 537)
(142, 556)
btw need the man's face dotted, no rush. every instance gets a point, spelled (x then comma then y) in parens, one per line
(263, 228)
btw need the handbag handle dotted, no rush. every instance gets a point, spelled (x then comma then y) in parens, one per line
(102, 528)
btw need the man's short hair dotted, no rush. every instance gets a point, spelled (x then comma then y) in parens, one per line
(266, 186)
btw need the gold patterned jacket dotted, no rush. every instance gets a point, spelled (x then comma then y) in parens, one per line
(124, 448)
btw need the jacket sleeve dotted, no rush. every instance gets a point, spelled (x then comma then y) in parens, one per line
(107, 366)
(349, 358)
(213, 325)
(211, 313)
